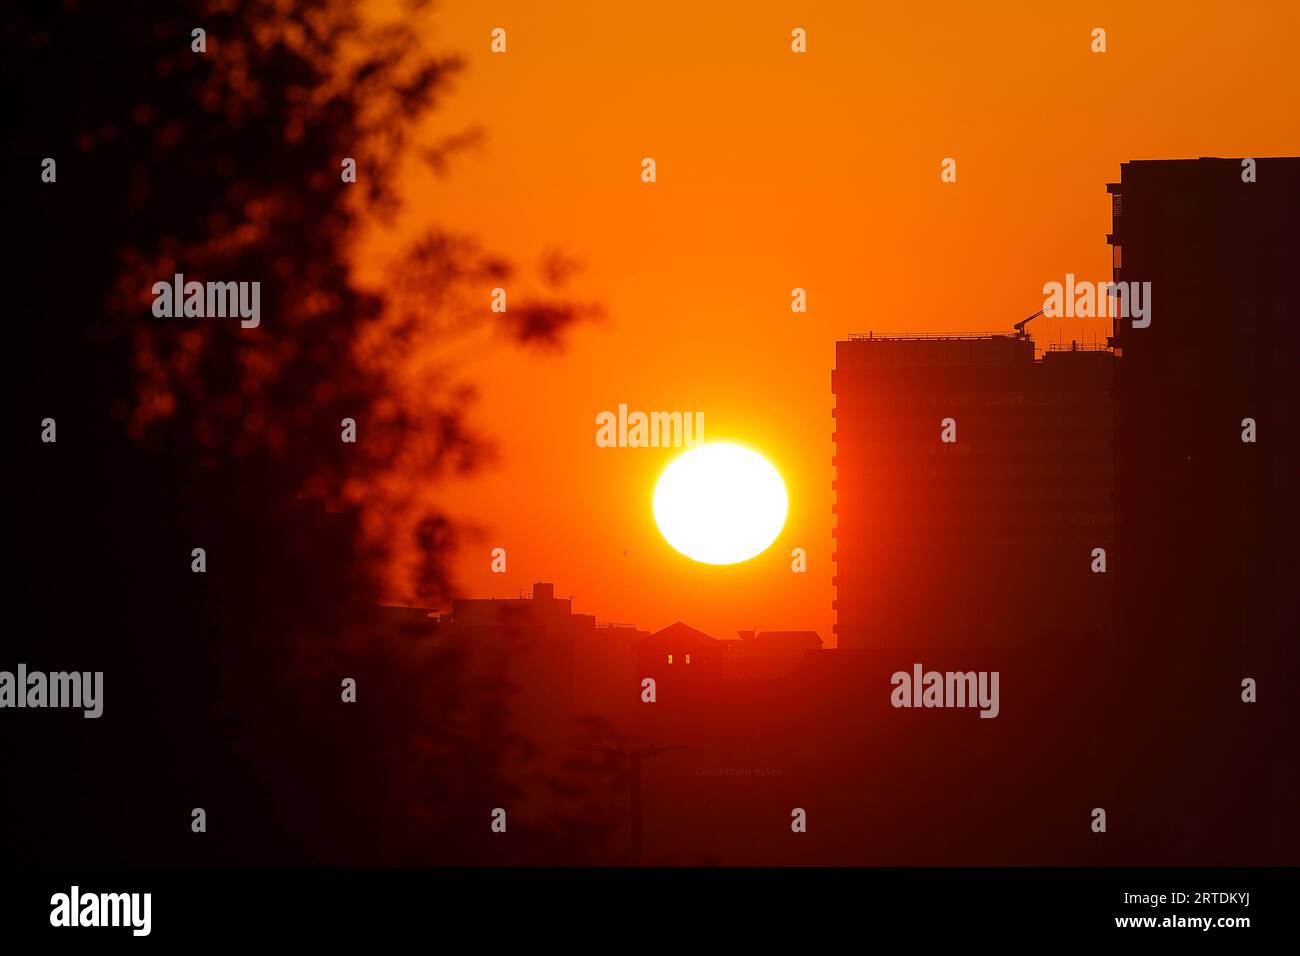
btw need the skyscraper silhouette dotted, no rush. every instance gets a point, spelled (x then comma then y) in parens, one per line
(984, 539)
(1205, 498)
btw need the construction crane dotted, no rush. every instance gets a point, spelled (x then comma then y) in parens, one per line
(1020, 326)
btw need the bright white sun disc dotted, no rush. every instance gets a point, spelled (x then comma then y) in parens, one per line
(720, 504)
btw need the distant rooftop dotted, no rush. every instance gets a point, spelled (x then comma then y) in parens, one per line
(962, 347)
(926, 336)
(1079, 347)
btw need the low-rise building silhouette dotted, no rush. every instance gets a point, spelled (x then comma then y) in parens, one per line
(678, 654)
(769, 654)
(559, 665)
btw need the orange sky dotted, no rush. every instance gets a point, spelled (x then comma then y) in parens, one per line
(778, 170)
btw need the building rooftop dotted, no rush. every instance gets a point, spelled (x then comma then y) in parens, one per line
(679, 634)
(926, 336)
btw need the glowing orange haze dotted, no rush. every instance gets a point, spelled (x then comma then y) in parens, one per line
(777, 171)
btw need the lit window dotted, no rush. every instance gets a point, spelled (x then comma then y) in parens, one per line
(670, 658)
(688, 658)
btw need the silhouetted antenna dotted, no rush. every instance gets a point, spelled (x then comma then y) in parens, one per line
(634, 756)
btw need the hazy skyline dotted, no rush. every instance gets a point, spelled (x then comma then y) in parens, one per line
(776, 171)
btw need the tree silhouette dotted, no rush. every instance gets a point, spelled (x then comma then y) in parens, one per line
(223, 687)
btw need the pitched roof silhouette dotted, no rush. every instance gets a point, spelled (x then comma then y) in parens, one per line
(679, 635)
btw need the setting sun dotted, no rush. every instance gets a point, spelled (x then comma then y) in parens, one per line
(720, 504)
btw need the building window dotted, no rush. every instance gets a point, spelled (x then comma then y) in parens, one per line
(670, 658)
(688, 658)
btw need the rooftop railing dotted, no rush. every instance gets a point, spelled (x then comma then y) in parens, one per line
(923, 336)
(1078, 347)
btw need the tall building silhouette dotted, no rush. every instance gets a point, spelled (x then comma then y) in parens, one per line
(1205, 519)
(987, 540)
(1203, 516)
